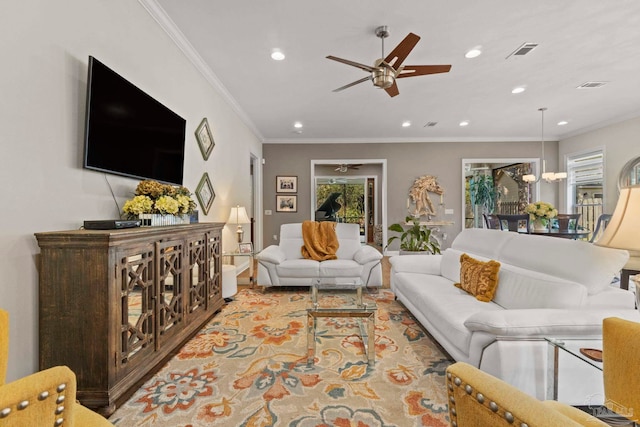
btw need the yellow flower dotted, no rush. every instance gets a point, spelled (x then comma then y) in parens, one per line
(138, 205)
(167, 205)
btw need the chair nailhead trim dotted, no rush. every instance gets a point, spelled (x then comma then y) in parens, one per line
(43, 395)
(23, 404)
(5, 412)
(61, 388)
(59, 410)
(468, 389)
(454, 424)
(524, 425)
(59, 422)
(480, 397)
(452, 399)
(453, 411)
(457, 381)
(450, 387)
(449, 375)
(493, 406)
(60, 399)
(509, 417)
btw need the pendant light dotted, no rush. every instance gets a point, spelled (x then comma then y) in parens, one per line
(547, 176)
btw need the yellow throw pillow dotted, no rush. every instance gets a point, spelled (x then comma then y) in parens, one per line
(479, 278)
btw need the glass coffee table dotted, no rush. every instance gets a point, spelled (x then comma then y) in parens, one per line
(352, 306)
(572, 347)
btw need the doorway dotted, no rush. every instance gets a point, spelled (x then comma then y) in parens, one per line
(369, 177)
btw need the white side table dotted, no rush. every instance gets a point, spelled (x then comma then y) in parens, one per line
(229, 281)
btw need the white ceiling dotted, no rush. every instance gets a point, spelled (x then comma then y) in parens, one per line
(579, 41)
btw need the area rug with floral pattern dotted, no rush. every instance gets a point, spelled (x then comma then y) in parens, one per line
(248, 367)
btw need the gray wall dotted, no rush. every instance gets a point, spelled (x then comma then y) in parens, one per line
(405, 162)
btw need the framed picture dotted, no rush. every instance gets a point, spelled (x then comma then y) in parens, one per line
(286, 184)
(245, 248)
(205, 193)
(205, 139)
(286, 203)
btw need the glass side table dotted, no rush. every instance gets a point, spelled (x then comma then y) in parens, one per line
(572, 347)
(230, 258)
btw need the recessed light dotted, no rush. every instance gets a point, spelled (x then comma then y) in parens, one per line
(406, 124)
(277, 55)
(297, 125)
(562, 123)
(518, 89)
(464, 123)
(473, 53)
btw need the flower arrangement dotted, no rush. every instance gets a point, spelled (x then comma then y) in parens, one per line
(541, 210)
(152, 197)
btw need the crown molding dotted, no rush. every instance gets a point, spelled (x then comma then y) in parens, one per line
(160, 16)
(395, 140)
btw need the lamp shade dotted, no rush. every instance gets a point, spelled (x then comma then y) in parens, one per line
(623, 231)
(238, 215)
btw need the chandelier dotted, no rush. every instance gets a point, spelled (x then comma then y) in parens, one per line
(547, 176)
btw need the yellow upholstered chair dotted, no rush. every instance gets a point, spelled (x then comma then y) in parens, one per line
(46, 398)
(620, 368)
(477, 399)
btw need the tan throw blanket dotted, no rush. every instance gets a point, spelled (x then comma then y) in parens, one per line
(320, 240)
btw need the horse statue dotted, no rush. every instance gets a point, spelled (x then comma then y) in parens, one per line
(419, 194)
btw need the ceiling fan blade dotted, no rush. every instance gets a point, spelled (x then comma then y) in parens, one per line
(352, 63)
(400, 53)
(364, 79)
(421, 70)
(393, 90)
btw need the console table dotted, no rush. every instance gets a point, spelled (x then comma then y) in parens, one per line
(114, 305)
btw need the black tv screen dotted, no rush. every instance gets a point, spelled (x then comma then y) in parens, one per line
(128, 132)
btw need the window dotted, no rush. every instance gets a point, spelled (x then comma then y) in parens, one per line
(585, 186)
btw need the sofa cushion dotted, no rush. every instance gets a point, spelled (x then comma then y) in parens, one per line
(298, 268)
(479, 278)
(340, 268)
(520, 288)
(349, 238)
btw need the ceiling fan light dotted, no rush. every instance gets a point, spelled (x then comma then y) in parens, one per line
(383, 78)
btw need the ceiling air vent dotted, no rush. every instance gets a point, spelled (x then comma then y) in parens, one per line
(591, 85)
(523, 49)
(430, 124)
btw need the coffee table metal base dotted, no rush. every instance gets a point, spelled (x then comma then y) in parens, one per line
(366, 314)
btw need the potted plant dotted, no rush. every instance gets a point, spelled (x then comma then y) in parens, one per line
(416, 238)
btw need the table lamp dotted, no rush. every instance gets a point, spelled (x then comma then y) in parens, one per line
(238, 215)
(623, 231)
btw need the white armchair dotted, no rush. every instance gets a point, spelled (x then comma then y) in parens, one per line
(283, 264)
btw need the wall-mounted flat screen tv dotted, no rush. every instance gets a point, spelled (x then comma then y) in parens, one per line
(128, 132)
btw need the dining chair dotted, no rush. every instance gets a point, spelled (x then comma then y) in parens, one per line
(517, 223)
(491, 221)
(565, 222)
(603, 221)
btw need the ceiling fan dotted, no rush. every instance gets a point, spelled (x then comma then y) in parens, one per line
(386, 70)
(345, 167)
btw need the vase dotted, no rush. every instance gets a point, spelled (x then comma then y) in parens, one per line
(159, 220)
(540, 224)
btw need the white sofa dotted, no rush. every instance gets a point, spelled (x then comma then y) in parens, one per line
(546, 287)
(283, 264)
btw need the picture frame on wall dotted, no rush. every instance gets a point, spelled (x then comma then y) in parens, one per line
(286, 184)
(205, 138)
(245, 248)
(205, 193)
(286, 203)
